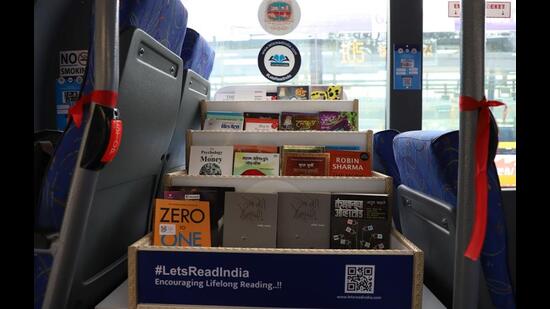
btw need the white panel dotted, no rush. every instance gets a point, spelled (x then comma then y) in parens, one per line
(317, 138)
(277, 106)
(272, 184)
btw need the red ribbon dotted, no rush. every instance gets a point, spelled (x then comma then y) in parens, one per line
(105, 98)
(481, 155)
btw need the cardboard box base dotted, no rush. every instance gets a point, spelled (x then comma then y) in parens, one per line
(275, 278)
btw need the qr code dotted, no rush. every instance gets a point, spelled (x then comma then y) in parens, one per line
(167, 229)
(359, 279)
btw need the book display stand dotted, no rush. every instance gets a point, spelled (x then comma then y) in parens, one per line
(184, 277)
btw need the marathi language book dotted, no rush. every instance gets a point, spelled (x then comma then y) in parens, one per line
(360, 221)
(303, 220)
(250, 220)
(256, 164)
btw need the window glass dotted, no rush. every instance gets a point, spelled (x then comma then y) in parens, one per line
(441, 77)
(340, 44)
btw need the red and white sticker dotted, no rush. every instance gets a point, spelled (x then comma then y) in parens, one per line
(279, 17)
(114, 141)
(492, 9)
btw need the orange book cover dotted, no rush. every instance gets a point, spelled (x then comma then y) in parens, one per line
(182, 223)
(350, 163)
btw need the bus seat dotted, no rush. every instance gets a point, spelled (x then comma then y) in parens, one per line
(197, 54)
(384, 162)
(428, 166)
(166, 22)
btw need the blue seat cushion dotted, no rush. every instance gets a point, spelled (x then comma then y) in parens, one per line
(42, 267)
(428, 162)
(494, 254)
(383, 159)
(384, 162)
(197, 54)
(165, 21)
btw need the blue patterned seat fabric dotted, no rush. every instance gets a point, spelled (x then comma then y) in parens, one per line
(166, 21)
(428, 162)
(42, 267)
(197, 54)
(384, 162)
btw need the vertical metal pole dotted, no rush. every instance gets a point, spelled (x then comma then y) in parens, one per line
(83, 182)
(106, 48)
(466, 272)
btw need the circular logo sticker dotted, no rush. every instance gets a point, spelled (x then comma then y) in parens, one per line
(279, 17)
(279, 60)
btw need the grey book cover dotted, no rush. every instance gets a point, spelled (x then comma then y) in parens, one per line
(250, 220)
(303, 220)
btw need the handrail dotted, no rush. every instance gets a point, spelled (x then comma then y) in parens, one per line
(466, 271)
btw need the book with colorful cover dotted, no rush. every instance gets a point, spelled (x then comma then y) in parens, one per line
(233, 121)
(291, 121)
(292, 92)
(360, 221)
(261, 121)
(306, 164)
(332, 92)
(215, 196)
(302, 148)
(224, 115)
(256, 148)
(338, 121)
(342, 147)
(181, 223)
(350, 163)
(256, 164)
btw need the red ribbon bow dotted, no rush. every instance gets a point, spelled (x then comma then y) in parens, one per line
(102, 97)
(482, 152)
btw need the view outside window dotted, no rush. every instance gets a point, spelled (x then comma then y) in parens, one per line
(341, 44)
(441, 77)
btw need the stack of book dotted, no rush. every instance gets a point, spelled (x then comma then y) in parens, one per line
(272, 160)
(219, 216)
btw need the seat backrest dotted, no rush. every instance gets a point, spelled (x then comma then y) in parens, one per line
(121, 198)
(384, 162)
(197, 54)
(428, 164)
(165, 21)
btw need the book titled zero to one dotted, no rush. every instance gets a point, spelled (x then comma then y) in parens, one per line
(182, 223)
